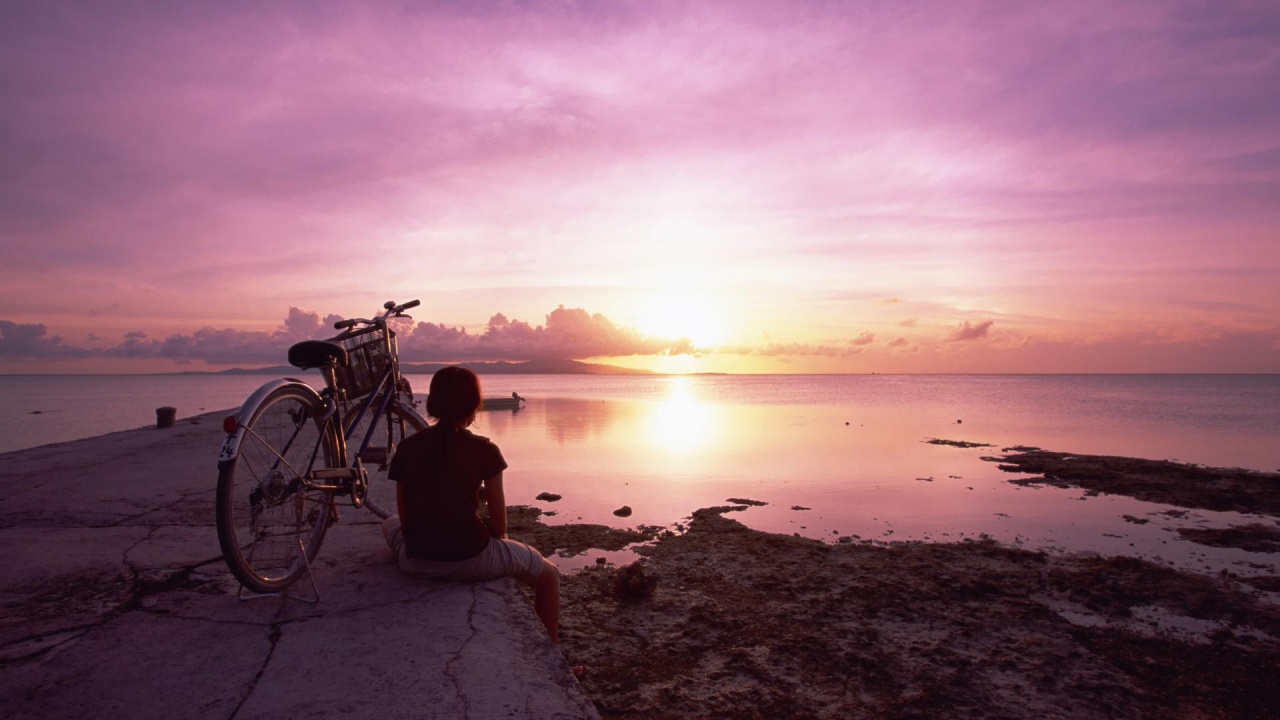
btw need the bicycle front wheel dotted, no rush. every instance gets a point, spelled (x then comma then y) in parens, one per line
(389, 430)
(270, 521)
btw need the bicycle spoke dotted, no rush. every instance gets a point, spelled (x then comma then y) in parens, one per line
(278, 454)
(268, 509)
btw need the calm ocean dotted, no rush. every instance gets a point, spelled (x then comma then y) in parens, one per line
(831, 455)
(1225, 420)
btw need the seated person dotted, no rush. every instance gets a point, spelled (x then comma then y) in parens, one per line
(439, 472)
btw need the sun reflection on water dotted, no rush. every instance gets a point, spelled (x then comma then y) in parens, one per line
(680, 423)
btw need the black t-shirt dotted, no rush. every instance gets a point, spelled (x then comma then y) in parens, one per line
(441, 472)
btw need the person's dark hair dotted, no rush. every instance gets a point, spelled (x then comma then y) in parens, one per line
(454, 395)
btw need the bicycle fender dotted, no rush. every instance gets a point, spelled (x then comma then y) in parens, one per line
(408, 408)
(231, 445)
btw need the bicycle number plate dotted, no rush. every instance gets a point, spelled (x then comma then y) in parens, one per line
(230, 447)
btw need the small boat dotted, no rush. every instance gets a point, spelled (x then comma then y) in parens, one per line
(504, 403)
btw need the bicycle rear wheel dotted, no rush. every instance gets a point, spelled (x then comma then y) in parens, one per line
(389, 430)
(270, 525)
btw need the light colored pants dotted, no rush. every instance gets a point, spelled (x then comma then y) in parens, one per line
(499, 559)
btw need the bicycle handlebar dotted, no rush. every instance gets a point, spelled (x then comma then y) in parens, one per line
(392, 310)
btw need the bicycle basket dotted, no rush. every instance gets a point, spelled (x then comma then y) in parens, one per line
(367, 359)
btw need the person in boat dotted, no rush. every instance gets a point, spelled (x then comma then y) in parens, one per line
(438, 532)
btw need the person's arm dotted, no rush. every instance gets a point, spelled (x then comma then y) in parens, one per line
(497, 504)
(400, 500)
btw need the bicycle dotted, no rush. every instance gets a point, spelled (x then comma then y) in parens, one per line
(289, 452)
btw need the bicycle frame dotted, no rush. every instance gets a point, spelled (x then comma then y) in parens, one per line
(339, 425)
(290, 451)
(384, 393)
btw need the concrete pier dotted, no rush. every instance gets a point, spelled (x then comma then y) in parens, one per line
(117, 605)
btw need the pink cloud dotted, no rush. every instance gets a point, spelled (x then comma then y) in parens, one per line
(1237, 352)
(902, 345)
(568, 333)
(966, 331)
(23, 341)
(793, 349)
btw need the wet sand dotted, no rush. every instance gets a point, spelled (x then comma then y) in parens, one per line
(728, 622)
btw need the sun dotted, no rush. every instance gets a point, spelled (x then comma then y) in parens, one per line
(677, 314)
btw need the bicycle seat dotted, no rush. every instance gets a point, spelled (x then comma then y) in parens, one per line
(316, 353)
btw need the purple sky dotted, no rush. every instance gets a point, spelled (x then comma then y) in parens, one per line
(800, 186)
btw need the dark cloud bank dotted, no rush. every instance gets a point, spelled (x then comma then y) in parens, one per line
(568, 333)
(575, 334)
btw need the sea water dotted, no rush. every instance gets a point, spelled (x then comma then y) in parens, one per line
(834, 457)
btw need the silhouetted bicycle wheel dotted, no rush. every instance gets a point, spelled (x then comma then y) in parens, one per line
(388, 433)
(268, 519)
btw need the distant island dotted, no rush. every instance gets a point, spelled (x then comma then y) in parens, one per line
(527, 367)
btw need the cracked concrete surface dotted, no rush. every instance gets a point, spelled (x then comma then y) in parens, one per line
(117, 604)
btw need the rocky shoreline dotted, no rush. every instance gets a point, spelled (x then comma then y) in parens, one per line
(1161, 481)
(727, 622)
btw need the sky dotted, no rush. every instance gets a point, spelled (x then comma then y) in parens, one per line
(723, 186)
